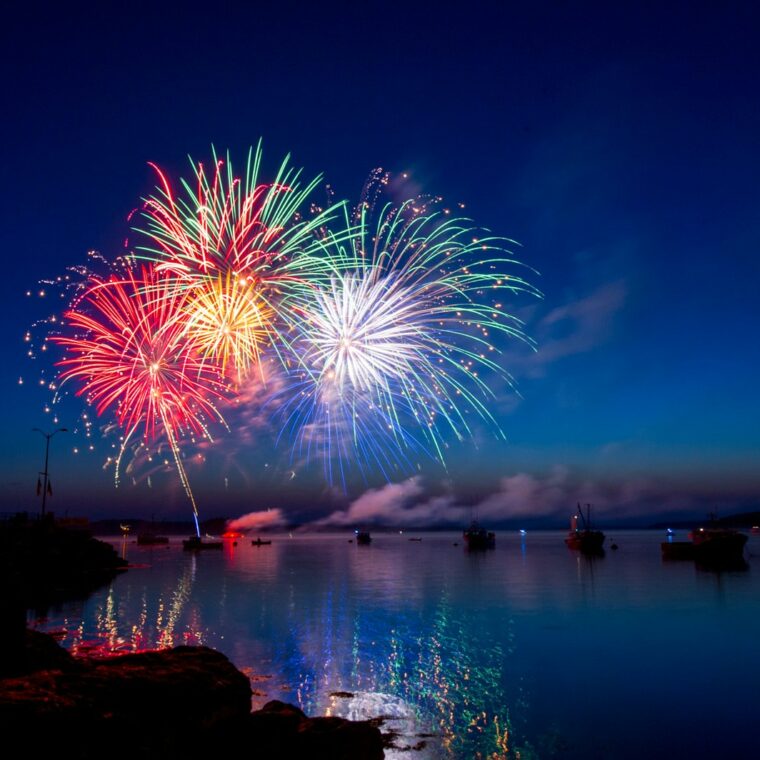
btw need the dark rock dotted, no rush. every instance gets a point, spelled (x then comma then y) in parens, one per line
(339, 739)
(186, 683)
(274, 706)
(154, 703)
(282, 730)
(43, 563)
(187, 702)
(41, 652)
(273, 727)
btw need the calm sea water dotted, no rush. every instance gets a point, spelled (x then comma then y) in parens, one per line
(528, 650)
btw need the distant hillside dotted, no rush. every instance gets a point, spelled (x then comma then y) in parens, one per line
(112, 527)
(166, 527)
(741, 520)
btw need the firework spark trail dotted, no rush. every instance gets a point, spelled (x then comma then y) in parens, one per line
(244, 248)
(340, 429)
(394, 349)
(130, 352)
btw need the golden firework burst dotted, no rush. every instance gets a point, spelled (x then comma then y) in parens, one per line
(229, 322)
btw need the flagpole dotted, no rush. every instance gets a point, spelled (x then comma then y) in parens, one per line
(47, 436)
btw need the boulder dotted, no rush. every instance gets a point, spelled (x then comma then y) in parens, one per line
(187, 702)
(156, 703)
(282, 730)
(38, 651)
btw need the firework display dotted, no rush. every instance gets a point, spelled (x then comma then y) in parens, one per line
(384, 325)
(130, 353)
(243, 247)
(395, 350)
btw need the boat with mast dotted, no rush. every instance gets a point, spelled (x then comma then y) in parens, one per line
(198, 543)
(582, 536)
(712, 544)
(150, 536)
(476, 537)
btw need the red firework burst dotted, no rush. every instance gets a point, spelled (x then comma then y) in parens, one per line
(130, 353)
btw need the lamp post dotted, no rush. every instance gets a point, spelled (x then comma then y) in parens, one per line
(47, 436)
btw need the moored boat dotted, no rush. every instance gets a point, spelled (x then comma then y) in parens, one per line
(196, 543)
(584, 539)
(476, 537)
(708, 545)
(151, 539)
(149, 536)
(363, 538)
(713, 544)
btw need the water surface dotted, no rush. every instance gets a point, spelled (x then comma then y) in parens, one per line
(527, 649)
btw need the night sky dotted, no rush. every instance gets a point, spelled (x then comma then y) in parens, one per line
(617, 143)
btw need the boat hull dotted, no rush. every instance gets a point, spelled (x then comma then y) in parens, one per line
(479, 540)
(196, 544)
(727, 547)
(708, 547)
(151, 540)
(587, 541)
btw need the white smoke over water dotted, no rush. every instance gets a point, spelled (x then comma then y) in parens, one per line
(521, 496)
(268, 518)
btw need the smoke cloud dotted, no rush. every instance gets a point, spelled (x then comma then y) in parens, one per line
(268, 518)
(522, 496)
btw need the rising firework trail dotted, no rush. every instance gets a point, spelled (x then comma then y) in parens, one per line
(128, 351)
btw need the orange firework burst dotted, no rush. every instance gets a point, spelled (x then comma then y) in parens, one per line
(228, 321)
(243, 247)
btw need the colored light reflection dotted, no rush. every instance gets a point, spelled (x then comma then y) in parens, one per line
(308, 617)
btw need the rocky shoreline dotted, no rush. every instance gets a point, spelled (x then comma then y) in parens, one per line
(42, 565)
(186, 702)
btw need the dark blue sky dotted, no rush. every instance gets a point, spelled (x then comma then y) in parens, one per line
(618, 143)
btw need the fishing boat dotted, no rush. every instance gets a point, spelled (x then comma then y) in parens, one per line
(363, 538)
(151, 539)
(708, 545)
(476, 537)
(582, 536)
(196, 543)
(713, 544)
(259, 542)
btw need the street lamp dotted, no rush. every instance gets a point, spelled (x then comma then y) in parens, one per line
(47, 436)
